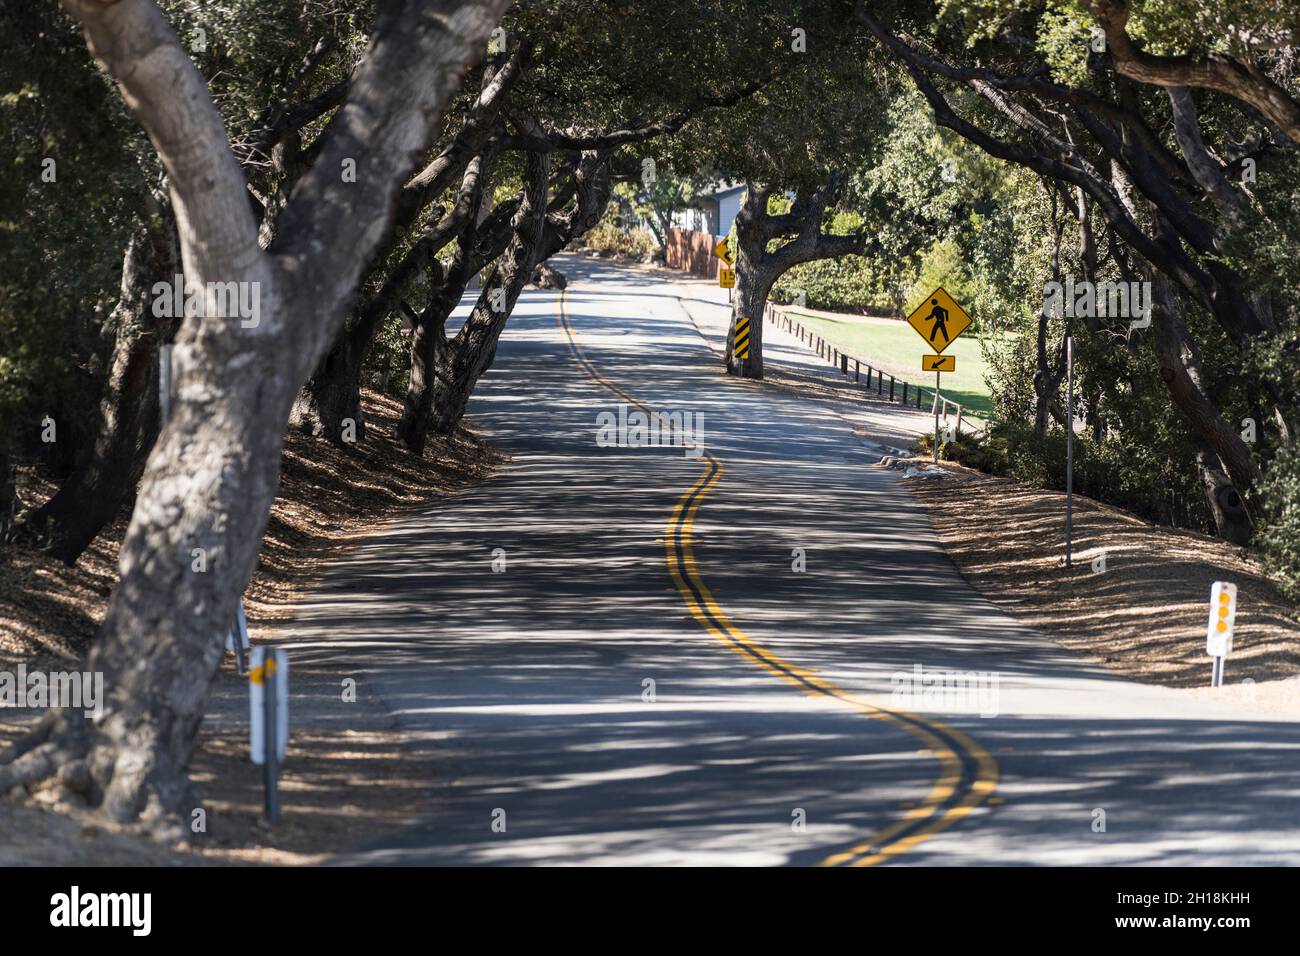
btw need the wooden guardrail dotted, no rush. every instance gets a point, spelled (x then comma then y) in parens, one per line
(909, 394)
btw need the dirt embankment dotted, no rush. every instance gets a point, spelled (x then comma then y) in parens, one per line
(1144, 615)
(339, 788)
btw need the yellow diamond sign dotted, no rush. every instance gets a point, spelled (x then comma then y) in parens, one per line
(939, 320)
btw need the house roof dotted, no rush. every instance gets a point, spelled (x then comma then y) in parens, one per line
(724, 190)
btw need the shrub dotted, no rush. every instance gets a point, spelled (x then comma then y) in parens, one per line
(1279, 540)
(607, 236)
(848, 284)
(1146, 481)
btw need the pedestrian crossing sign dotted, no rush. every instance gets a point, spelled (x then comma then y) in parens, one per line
(939, 320)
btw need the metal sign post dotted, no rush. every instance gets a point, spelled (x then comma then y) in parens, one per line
(726, 273)
(268, 720)
(164, 384)
(937, 375)
(1069, 450)
(939, 319)
(237, 639)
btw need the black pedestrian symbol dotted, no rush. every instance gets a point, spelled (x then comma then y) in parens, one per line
(940, 316)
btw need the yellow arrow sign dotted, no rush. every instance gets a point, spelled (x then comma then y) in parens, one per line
(939, 319)
(938, 363)
(726, 278)
(723, 252)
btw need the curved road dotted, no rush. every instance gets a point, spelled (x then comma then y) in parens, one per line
(635, 656)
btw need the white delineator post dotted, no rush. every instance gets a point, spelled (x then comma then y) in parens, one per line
(1218, 632)
(268, 720)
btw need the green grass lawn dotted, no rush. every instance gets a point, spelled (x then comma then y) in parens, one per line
(895, 347)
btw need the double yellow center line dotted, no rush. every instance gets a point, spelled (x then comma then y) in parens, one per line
(967, 772)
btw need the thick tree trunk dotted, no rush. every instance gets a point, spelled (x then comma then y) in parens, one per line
(1231, 519)
(89, 499)
(333, 392)
(428, 338)
(757, 268)
(428, 343)
(1223, 460)
(210, 480)
(458, 363)
(1047, 381)
(458, 366)
(753, 283)
(755, 273)
(332, 396)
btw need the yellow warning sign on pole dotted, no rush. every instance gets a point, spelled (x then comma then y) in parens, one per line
(723, 252)
(726, 278)
(938, 363)
(939, 319)
(741, 349)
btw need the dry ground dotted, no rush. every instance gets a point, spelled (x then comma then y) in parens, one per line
(1145, 615)
(339, 788)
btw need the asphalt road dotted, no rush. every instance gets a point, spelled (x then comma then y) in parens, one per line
(615, 659)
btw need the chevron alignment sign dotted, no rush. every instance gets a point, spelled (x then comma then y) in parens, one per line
(742, 337)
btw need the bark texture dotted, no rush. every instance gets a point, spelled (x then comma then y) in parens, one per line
(428, 337)
(1245, 81)
(333, 392)
(210, 480)
(460, 361)
(458, 366)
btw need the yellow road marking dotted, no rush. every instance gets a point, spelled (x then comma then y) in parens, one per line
(906, 832)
